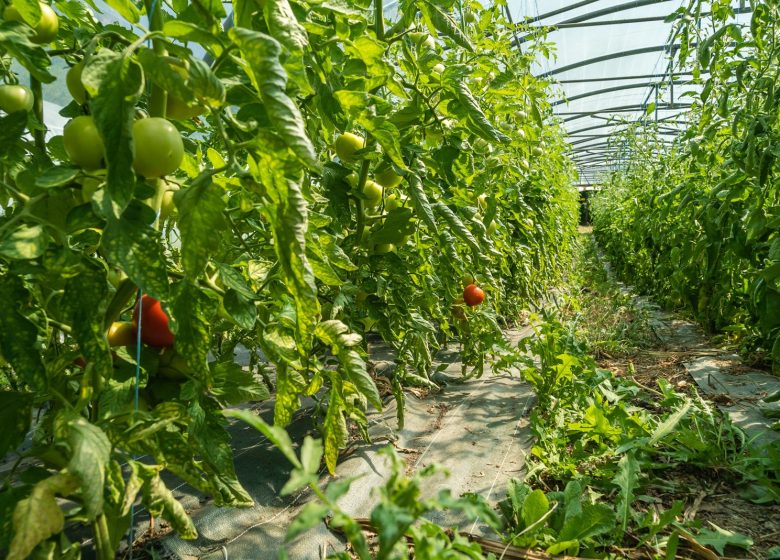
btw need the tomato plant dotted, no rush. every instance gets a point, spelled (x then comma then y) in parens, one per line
(278, 231)
(696, 223)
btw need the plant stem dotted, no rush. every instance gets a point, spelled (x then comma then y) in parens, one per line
(39, 134)
(102, 538)
(159, 97)
(379, 20)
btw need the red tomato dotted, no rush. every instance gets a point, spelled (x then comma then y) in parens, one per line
(473, 295)
(154, 323)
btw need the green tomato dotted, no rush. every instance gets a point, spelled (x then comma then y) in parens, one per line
(388, 178)
(470, 17)
(73, 81)
(392, 202)
(347, 144)
(482, 200)
(83, 143)
(537, 151)
(15, 98)
(167, 207)
(173, 365)
(522, 115)
(438, 69)
(373, 193)
(383, 248)
(46, 28)
(491, 229)
(428, 43)
(352, 179)
(90, 185)
(158, 146)
(179, 110)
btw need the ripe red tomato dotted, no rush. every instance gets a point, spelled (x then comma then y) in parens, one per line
(154, 323)
(473, 295)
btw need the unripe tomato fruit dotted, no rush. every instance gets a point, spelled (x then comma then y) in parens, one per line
(179, 110)
(383, 248)
(491, 229)
(522, 115)
(154, 323)
(15, 98)
(473, 295)
(173, 365)
(73, 81)
(537, 151)
(373, 193)
(158, 147)
(83, 143)
(46, 28)
(122, 333)
(347, 144)
(392, 202)
(388, 178)
(438, 69)
(482, 200)
(467, 279)
(429, 43)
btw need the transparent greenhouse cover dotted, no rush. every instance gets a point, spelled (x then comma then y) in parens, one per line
(612, 66)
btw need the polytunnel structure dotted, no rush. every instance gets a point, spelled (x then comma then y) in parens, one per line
(389, 279)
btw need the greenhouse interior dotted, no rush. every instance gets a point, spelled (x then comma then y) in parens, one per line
(390, 279)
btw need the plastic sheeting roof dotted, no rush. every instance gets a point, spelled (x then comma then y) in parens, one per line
(614, 65)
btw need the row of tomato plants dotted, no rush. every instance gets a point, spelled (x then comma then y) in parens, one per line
(697, 222)
(313, 173)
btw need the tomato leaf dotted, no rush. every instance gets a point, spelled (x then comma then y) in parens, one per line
(336, 334)
(126, 9)
(15, 40)
(419, 198)
(191, 325)
(242, 311)
(114, 83)
(87, 320)
(24, 243)
(90, 453)
(275, 434)
(201, 221)
(284, 27)
(20, 328)
(444, 23)
(262, 54)
(56, 177)
(287, 214)
(335, 426)
(38, 517)
(15, 417)
(235, 385)
(160, 502)
(136, 247)
(477, 120)
(12, 128)
(30, 10)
